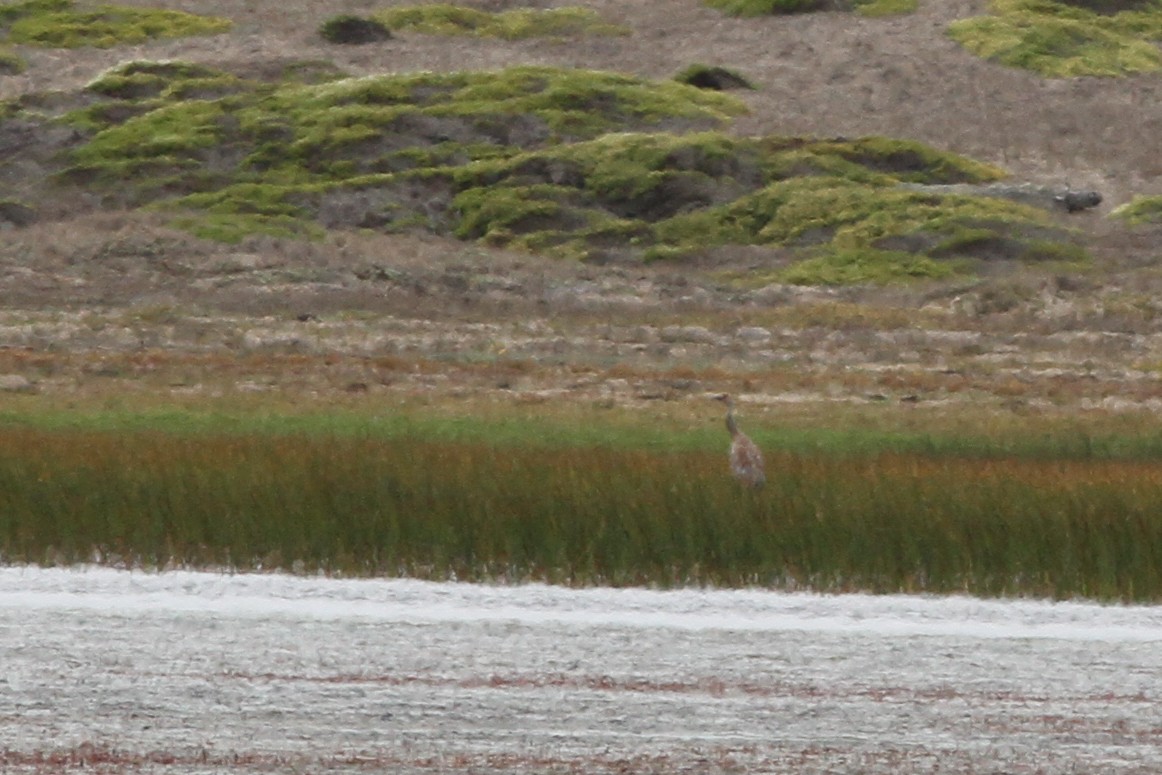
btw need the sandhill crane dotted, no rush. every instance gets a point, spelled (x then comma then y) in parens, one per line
(746, 459)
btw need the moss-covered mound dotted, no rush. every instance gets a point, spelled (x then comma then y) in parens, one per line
(1143, 209)
(275, 156)
(1066, 38)
(449, 19)
(572, 163)
(59, 24)
(772, 7)
(834, 207)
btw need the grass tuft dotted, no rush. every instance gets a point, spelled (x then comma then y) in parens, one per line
(1142, 209)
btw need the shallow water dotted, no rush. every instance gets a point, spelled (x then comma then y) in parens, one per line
(201, 672)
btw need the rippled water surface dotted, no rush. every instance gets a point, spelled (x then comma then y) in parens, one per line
(184, 672)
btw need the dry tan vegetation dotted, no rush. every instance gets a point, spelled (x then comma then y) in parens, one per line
(102, 303)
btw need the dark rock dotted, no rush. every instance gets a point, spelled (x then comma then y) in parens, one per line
(1073, 201)
(353, 30)
(714, 78)
(15, 213)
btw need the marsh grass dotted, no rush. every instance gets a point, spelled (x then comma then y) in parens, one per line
(392, 501)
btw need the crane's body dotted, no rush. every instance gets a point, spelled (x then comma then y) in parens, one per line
(746, 459)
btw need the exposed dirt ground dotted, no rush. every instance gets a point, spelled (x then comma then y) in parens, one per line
(106, 297)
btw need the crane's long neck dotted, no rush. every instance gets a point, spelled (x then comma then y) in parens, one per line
(731, 425)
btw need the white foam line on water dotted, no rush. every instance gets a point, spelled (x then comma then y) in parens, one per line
(127, 593)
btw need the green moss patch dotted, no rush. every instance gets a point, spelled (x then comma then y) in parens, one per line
(57, 24)
(11, 12)
(844, 231)
(167, 81)
(448, 19)
(1143, 209)
(10, 62)
(1067, 39)
(773, 7)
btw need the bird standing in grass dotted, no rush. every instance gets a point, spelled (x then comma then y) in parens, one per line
(746, 459)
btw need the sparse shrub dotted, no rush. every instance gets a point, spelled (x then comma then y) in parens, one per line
(1004, 295)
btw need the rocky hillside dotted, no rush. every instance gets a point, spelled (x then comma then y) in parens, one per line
(577, 162)
(723, 167)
